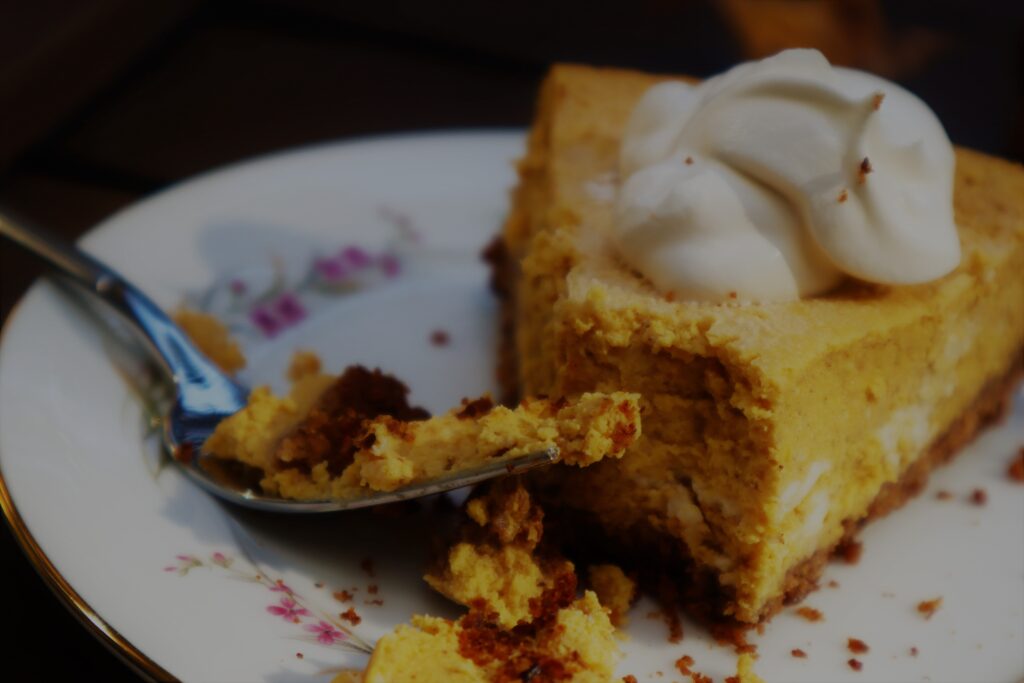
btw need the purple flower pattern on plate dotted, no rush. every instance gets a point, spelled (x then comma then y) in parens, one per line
(253, 307)
(343, 265)
(278, 314)
(325, 633)
(289, 610)
(318, 625)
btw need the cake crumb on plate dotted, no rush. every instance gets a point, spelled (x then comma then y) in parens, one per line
(929, 607)
(810, 614)
(857, 646)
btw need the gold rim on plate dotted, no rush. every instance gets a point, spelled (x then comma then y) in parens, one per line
(86, 615)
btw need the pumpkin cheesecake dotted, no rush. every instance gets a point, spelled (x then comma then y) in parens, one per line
(572, 640)
(817, 304)
(525, 619)
(337, 437)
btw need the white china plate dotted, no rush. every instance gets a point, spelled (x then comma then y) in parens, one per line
(171, 579)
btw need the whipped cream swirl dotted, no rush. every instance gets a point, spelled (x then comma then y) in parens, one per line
(779, 178)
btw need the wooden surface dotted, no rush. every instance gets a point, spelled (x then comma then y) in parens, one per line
(104, 102)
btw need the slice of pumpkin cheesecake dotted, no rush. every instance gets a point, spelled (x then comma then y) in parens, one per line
(809, 336)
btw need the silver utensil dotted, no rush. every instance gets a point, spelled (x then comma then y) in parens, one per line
(204, 395)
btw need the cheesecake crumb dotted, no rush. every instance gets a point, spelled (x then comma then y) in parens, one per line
(299, 655)
(843, 196)
(943, 494)
(850, 551)
(876, 102)
(979, 497)
(367, 566)
(351, 616)
(302, 364)
(629, 678)
(684, 663)
(928, 608)
(1016, 468)
(856, 646)
(440, 338)
(833, 584)
(798, 653)
(913, 651)
(689, 161)
(855, 664)
(810, 614)
(863, 170)
(343, 596)
(477, 407)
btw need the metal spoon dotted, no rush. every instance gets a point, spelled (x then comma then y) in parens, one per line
(205, 395)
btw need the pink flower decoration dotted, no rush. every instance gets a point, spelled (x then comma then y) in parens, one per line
(281, 587)
(186, 558)
(289, 610)
(389, 264)
(331, 269)
(288, 309)
(357, 257)
(265, 321)
(276, 315)
(326, 633)
(343, 264)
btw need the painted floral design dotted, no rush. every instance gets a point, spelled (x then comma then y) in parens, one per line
(325, 632)
(318, 625)
(289, 610)
(262, 305)
(278, 314)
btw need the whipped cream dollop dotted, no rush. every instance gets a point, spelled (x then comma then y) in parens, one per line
(779, 178)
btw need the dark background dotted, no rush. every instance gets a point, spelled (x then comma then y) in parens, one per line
(105, 101)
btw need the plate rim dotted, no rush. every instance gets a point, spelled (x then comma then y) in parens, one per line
(126, 651)
(83, 612)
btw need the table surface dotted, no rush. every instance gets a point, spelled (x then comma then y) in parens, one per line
(118, 102)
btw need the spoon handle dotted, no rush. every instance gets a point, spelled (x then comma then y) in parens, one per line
(200, 383)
